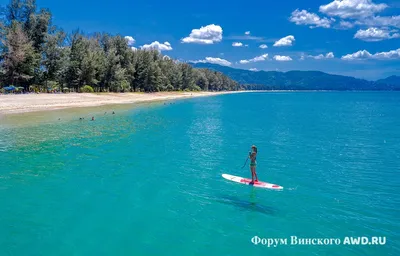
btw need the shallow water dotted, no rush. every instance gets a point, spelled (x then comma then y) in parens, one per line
(147, 181)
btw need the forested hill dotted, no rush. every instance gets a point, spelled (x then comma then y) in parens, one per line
(391, 80)
(36, 55)
(300, 80)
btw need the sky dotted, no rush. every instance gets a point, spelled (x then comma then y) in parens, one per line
(359, 38)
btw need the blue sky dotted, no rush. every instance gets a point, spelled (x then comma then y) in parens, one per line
(359, 38)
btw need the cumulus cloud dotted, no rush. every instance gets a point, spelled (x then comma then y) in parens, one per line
(256, 59)
(352, 13)
(133, 48)
(394, 54)
(306, 18)
(130, 40)
(213, 60)
(381, 21)
(352, 8)
(329, 55)
(286, 41)
(263, 46)
(282, 58)
(209, 34)
(357, 55)
(363, 55)
(157, 46)
(375, 34)
(237, 44)
(247, 33)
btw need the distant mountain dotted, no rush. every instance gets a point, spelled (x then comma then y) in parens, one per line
(300, 80)
(391, 80)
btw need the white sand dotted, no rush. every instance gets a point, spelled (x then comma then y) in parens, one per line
(21, 103)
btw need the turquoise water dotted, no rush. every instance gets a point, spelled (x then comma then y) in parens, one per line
(147, 181)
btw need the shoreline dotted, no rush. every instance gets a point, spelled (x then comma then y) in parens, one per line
(11, 104)
(27, 103)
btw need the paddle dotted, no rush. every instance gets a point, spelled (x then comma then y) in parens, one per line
(245, 162)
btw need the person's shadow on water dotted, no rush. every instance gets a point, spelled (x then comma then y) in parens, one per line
(247, 205)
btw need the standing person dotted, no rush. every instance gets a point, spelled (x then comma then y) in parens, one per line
(253, 163)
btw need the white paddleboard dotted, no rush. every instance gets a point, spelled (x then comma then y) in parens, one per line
(246, 181)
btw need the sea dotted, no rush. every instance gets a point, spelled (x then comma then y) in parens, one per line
(147, 180)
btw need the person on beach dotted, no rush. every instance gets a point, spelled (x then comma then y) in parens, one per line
(253, 163)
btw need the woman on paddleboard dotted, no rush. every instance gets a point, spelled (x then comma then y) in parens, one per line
(253, 163)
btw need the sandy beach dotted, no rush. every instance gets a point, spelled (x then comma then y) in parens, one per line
(22, 103)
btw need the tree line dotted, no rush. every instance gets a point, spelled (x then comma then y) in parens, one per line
(36, 55)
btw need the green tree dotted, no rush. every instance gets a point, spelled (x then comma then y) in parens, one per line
(33, 51)
(18, 57)
(54, 54)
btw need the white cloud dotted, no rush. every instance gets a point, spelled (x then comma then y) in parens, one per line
(282, 58)
(362, 55)
(306, 18)
(247, 33)
(394, 54)
(260, 58)
(352, 8)
(157, 46)
(329, 55)
(346, 24)
(318, 57)
(209, 34)
(256, 59)
(286, 41)
(263, 46)
(130, 40)
(357, 55)
(379, 21)
(237, 44)
(213, 60)
(246, 45)
(133, 48)
(253, 69)
(375, 34)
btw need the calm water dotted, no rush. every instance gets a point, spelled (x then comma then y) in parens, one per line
(147, 181)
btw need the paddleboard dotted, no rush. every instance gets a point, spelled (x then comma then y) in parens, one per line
(246, 181)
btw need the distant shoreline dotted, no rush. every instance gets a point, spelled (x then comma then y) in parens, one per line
(24, 103)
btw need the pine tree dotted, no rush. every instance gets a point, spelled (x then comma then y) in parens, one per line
(33, 51)
(54, 54)
(19, 57)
